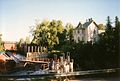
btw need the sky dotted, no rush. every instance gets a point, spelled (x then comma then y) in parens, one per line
(17, 16)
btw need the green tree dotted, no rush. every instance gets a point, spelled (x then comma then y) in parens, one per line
(1, 44)
(27, 40)
(21, 41)
(108, 25)
(101, 27)
(20, 46)
(109, 45)
(116, 44)
(65, 38)
(69, 28)
(47, 33)
(41, 33)
(89, 56)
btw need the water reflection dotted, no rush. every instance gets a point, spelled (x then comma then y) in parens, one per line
(62, 79)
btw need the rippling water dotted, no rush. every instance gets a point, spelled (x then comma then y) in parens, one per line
(96, 77)
(63, 79)
(99, 79)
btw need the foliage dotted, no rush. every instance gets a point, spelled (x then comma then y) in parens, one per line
(101, 27)
(69, 28)
(99, 55)
(47, 33)
(110, 44)
(21, 41)
(108, 25)
(1, 44)
(20, 46)
(27, 40)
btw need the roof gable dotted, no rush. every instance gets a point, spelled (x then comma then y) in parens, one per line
(79, 25)
(86, 24)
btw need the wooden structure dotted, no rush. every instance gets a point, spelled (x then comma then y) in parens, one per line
(36, 53)
(6, 63)
(8, 45)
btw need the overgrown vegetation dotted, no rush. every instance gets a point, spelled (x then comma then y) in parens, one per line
(102, 54)
(1, 44)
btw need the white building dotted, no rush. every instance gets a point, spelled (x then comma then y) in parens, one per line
(86, 32)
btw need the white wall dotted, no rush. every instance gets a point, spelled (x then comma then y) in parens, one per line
(88, 34)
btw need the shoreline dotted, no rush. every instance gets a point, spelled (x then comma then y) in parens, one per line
(88, 73)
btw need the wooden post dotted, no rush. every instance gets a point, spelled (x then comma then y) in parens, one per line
(35, 48)
(63, 56)
(28, 48)
(38, 49)
(32, 48)
(41, 50)
(55, 57)
(68, 56)
(61, 59)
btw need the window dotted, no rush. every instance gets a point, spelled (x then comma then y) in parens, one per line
(78, 32)
(82, 38)
(83, 31)
(94, 32)
(78, 39)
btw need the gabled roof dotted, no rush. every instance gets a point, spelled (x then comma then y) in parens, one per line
(13, 57)
(8, 55)
(86, 24)
(95, 24)
(4, 56)
(79, 25)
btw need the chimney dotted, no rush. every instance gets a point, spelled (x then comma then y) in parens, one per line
(90, 19)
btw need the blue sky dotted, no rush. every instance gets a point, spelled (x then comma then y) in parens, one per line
(16, 16)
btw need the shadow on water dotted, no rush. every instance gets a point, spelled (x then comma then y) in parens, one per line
(100, 77)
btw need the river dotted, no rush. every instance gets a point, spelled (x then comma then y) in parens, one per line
(63, 79)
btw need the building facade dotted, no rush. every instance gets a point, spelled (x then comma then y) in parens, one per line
(86, 32)
(8, 45)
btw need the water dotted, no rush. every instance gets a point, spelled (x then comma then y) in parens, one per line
(66, 79)
(99, 79)
(38, 75)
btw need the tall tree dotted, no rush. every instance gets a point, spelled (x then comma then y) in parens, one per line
(116, 42)
(108, 25)
(41, 33)
(69, 28)
(1, 43)
(47, 33)
(21, 41)
(20, 44)
(109, 44)
(27, 40)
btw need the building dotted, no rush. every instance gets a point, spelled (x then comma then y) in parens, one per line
(86, 32)
(8, 45)
(7, 63)
(36, 53)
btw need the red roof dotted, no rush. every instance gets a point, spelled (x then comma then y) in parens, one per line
(10, 45)
(3, 57)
